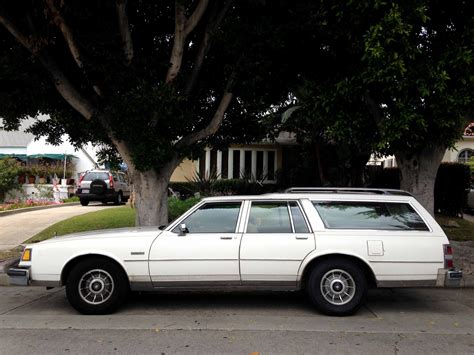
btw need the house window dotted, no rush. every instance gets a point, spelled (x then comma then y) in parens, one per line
(259, 164)
(464, 155)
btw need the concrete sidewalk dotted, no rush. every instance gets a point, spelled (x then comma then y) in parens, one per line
(17, 228)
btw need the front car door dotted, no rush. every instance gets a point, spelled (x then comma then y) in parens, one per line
(276, 240)
(206, 255)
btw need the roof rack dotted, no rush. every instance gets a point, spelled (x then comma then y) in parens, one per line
(346, 190)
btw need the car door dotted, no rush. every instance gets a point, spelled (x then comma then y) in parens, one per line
(276, 240)
(207, 254)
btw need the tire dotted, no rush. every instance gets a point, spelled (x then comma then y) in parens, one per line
(118, 199)
(104, 202)
(84, 202)
(96, 286)
(337, 287)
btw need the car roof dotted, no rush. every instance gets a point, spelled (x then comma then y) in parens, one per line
(314, 196)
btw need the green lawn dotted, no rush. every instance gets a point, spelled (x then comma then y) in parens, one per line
(104, 219)
(456, 228)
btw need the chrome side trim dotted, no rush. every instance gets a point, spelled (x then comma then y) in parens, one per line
(215, 286)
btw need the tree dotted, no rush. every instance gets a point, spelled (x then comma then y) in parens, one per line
(399, 80)
(9, 170)
(155, 80)
(420, 80)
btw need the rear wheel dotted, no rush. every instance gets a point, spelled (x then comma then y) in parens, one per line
(84, 202)
(118, 199)
(337, 287)
(96, 286)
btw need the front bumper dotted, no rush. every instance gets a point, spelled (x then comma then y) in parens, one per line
(19, 276)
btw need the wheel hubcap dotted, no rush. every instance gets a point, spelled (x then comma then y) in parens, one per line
(338, 287)
(96, 286)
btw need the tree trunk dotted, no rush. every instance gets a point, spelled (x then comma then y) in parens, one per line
(418, 173)
(358, 163)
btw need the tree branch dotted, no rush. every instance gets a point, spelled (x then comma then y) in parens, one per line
(62, 83)
(20, 37)
(205, 44)
(178, 43)
(127, 43)
(195, 17)
(59, 21)
(374, 109)
(213, 125)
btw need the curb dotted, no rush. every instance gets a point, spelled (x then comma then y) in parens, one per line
(28, 209)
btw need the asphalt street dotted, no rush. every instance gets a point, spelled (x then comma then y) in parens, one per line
(401, 321)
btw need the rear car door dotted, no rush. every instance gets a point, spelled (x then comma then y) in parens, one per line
(277, 238)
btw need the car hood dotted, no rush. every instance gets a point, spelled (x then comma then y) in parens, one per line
(107, 233)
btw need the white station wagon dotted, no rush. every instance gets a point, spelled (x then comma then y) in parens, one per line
(332, 243)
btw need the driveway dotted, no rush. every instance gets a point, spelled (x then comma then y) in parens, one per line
(17, 228)
(398, 321)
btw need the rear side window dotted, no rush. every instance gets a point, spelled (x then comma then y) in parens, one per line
(369, 215)
(94, 175)
(276, 217)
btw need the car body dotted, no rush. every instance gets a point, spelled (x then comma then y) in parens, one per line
(333, 243)
(103, 185)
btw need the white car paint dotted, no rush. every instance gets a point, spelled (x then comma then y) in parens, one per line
(151, 257)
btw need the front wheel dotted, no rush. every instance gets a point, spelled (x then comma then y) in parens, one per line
(96, 286)
(84, 202)
(337, 287)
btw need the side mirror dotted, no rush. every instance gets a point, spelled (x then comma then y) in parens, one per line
(183, 229)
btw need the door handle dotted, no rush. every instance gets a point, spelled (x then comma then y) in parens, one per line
(301, 236)
(226, 237)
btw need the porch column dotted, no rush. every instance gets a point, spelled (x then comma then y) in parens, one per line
(219, 164)
(230, 164)
(207, 163)
(254, 165)
(242, 163)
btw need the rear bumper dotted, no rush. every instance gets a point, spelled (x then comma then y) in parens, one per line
(452, 277)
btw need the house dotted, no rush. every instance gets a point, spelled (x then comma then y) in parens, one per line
(259, 161)
(23, 146)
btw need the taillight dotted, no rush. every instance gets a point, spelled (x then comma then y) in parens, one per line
(80, 180)
(448, 256)
(111, 181)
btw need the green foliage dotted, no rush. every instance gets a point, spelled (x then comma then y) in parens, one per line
(9, 170)
(177, 207)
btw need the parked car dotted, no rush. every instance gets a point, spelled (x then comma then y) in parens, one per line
(332, 243)
(103, 185)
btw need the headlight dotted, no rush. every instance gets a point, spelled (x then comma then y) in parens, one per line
(26, 256)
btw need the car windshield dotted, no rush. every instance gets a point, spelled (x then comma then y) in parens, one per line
(96, 175)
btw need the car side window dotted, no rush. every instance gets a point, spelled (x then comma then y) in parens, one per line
(213, 217)
(299, 222)
(369, 215)
(269, 217)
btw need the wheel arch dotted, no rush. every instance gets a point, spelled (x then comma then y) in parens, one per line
(78, 258)
(365, 267)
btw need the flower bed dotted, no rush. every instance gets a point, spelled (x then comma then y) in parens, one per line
(13, 205)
